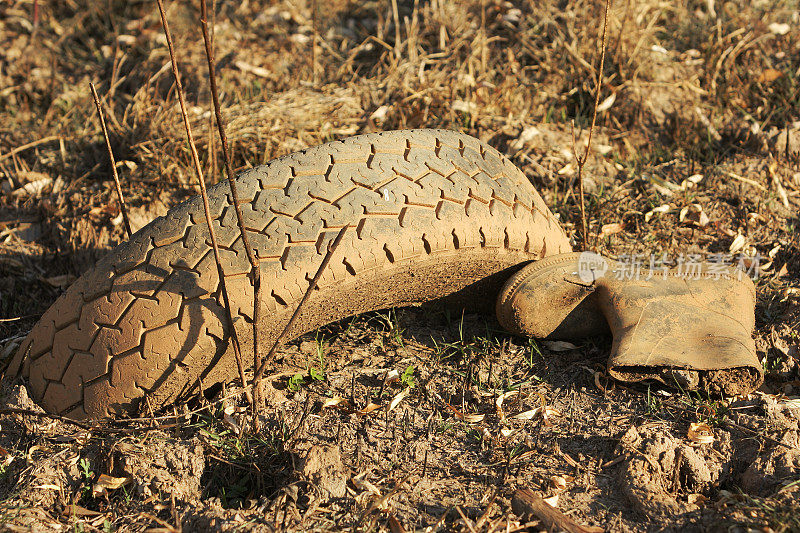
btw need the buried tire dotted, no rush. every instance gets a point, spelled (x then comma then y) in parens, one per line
(434, 216)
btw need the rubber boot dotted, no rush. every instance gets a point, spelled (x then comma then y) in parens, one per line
(690, 327)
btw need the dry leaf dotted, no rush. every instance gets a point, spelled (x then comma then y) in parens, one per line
(48, 486)
(782, 193)
(597, 376)
(738, 243)
(33, 188)
(334, 402)
(379, 115)
(790, 403)
(507, 432)
(559, 346)
(6, 457)
(527, 415)
(700, 433)
(603, 149)
(611, 229)
(362, 483)
(607, 102)
(559, 482)
(252, 69)
(465, 107)
(229, 421)
(779, 28)
(693, 214)
(101, 213)
(552, 501)
(660, 209)
(371, 406)
(392, 376)
(541, 411)
(105, 483)
(696, 499)
(399, 398)
(30, 177)
(769, 75)
(461, 416)
(499, 402)
(524, 138)
(691, 181)
(662, 186)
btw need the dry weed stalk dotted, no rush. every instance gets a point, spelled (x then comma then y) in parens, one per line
(314, 37)
(397, 39)
(311, 286)
(251, 255)
(206, 208)
(582, 160)
(122, 207)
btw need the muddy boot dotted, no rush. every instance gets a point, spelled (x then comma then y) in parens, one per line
(691, 328)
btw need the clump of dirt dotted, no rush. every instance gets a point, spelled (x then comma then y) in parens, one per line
(777, 467)
(162, 465)
(15, 396)
(322, 466)
(50, 476)
(664, 474)
(209, 515)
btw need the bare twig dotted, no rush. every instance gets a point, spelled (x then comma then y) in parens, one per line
(525, 502)
(314, 37)
(206, 207)
(311, 287)
(31, 144)
(396, 17)
(38, 414)
(122, 207)
(582, 160)
(255, 271)
(754, 432)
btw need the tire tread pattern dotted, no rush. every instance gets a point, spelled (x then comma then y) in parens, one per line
(148, 315)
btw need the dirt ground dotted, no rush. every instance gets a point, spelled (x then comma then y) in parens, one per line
(415, 419)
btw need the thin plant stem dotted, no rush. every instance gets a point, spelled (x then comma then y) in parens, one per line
(122, 207)
(396, 17)
(311, 286)
(226, 161)
(313, 42)
(206, 207)
(582, 160)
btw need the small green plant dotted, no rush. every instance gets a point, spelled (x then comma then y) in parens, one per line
(87, 477)
(653, 403)
(407, 377)
(316, 374)
(296, 381)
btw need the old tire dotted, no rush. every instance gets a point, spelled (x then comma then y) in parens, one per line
(434, 215)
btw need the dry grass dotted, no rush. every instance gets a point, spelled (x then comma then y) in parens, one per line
(694, 88)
